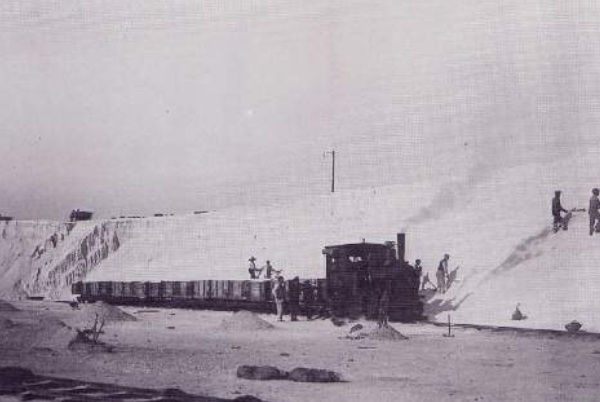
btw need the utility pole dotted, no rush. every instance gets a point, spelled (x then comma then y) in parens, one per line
(332, 152)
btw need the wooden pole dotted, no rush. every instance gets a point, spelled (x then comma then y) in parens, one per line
(333, 171)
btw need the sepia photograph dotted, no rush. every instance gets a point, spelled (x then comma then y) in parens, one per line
(299, 200)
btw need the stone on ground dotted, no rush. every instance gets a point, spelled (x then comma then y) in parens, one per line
(302, 374)
(261, 373)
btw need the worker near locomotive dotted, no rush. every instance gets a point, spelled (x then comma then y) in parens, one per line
(360, 279)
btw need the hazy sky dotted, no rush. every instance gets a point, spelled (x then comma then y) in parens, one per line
(135, 107)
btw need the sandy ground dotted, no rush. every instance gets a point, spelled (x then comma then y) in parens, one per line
(189, 350)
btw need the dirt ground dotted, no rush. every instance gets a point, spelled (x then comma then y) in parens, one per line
(192, 350)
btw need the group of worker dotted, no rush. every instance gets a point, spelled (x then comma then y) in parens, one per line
(561, 221)
(287, 298)
(442, 275)
(270, 272)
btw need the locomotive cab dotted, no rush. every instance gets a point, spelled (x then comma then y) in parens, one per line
(359, 274)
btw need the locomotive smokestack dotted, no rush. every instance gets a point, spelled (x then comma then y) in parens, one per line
(401, 241)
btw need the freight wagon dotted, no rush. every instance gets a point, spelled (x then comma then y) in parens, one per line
(358, 277)
(253, 295)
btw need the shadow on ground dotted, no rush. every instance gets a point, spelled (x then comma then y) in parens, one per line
(25, 385)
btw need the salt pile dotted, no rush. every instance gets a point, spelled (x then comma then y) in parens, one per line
(105, 312)
(6, 306)
(386, 334)
(245, 321)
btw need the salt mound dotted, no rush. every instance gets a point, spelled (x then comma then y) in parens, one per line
(244, 321)
(105, 312)
(387, 334)
(6, 306)
(379, 334)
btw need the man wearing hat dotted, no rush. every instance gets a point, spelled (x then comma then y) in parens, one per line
(556, 210)
(252, 268)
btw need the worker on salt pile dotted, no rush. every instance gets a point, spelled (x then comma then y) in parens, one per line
(252, 270)
(269, 270)
(279, 296)
(442, 274)
(557, 209)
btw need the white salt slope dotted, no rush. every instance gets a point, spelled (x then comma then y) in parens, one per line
(41, 258)
(501, 238)
(557, 282)
(218, 245)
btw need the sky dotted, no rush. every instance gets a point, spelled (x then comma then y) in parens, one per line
(139, 107)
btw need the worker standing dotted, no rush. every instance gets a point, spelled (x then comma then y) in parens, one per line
(442, 274)
(594, 210)
(279, 296)
(557, 209)
(252, 267)
(269, 270)
(418, 272)
(294, 298)
(308, 299)
(383, 309)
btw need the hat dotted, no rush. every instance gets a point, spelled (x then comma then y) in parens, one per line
(252, 259)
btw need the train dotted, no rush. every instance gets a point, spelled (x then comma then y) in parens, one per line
(359, 276)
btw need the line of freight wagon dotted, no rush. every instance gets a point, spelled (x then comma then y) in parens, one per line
(253, 295)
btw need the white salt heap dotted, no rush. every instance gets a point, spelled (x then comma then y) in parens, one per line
(104, 312)
(245, 321)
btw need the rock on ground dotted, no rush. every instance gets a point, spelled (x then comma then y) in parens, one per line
(302, 374)
(388, 333)
(261, 373)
